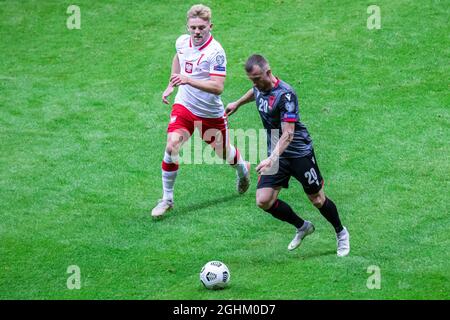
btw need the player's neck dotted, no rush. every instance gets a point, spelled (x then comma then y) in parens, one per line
(273, 81)
(204, 41)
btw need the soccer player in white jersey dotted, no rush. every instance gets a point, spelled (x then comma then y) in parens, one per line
(198, 70)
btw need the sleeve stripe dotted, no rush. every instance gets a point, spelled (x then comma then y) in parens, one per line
(217, 74)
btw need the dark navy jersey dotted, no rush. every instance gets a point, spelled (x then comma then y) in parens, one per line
(278, 105)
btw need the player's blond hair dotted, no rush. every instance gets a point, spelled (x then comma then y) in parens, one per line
(199, 11)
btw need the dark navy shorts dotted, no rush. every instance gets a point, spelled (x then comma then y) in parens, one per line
(304, 169)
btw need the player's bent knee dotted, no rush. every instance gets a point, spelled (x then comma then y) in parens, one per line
(318, 201)
(169, 149)
(264, 203)
(172, 148)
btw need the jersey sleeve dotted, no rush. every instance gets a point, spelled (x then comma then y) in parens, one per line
(289, 107)
(218, 64)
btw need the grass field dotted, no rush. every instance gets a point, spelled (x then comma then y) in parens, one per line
(82, 133)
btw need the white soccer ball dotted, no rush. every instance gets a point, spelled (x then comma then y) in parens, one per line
(215, 275)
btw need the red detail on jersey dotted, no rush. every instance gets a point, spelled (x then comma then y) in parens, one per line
(217, 75)
(277, 83)
(271, 101)
(169, 166)
(199, 59)
(203, 46)
(188, 67)
(289, 120)
(207, 42)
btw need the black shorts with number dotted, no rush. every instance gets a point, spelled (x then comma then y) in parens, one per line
(304, 169)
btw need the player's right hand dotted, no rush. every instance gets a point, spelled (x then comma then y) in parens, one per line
(231, 108)
(167, 93)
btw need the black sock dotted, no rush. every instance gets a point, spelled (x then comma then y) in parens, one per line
(329, 211)
(282, 211)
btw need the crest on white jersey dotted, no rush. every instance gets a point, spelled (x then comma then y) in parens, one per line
(220, 59)
(188, 67)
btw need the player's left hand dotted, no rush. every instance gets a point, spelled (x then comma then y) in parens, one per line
(178, 79)
(264, 165)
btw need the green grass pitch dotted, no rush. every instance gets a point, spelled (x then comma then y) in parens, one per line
(82, 135)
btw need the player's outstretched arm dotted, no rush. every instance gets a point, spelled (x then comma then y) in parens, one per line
(175, 70)
(232, 107)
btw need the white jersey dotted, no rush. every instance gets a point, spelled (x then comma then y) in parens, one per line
(200, 63)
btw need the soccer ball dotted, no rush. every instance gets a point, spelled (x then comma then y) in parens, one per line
(215, 275)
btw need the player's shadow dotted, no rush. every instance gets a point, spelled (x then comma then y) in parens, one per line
(317, 254)
(207, 203)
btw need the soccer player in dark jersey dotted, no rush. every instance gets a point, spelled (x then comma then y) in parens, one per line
(290, 153)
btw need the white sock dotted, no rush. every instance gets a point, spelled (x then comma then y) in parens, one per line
(168, 179)
(169, 174)
(240, 166)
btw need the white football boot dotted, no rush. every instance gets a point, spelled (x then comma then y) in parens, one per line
(161, 208)
(243, 183)
(343, 243)
(301, 233)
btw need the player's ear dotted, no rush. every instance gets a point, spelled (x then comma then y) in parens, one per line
(211, 26)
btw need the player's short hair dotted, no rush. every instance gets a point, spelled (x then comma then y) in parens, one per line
(257, 60)
(199, 11)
